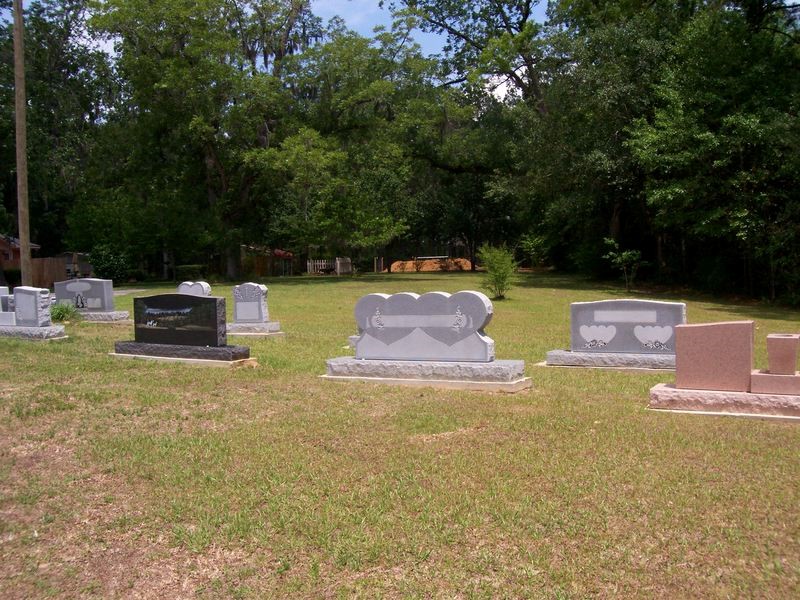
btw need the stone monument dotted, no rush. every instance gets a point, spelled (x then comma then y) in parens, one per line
(194, 288)
(181, 327)
(436, 339)
(250, 312)
(621, 333)
(714, 373)
(30, 318)
(93, 298)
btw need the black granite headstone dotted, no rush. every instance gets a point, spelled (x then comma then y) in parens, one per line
(180, 319)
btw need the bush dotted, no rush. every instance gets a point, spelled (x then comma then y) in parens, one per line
(627, 261)
(109, 263)
(500, 269)
(64, 312)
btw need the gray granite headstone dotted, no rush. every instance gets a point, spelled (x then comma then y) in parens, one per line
(436, 326)
(4, 290)
(32, 306)
(88, 294)
(195, 288)
(250, 303)
(626, 326)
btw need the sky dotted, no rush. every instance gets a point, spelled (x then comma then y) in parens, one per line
(363, 15)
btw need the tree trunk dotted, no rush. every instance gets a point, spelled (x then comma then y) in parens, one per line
(22, 147)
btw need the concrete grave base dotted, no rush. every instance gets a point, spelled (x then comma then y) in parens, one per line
(214, 353)
(52, 332)
(567, 358)
(114, 316)
(495, 376)
(244, 362)
(668, 397)
(269, 328)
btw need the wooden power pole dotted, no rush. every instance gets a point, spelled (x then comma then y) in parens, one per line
(20, 106)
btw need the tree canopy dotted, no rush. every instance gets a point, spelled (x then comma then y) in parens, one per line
(173, 132)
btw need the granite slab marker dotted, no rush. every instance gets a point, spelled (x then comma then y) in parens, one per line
(181, 327)
(436, 339)
(93, 298)
(714, 356)
(621, 334)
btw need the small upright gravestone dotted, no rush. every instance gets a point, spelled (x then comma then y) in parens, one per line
(436, 339)
(250, 312)
(31, 316)
(621, 333)
(194, 288)
(181, 327)
(93, 298)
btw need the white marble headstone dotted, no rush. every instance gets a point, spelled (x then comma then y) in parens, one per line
(195, 288)
(250, 303)
(435, 326)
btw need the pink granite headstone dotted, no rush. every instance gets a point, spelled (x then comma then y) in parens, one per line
(782, 353)
(714, 356)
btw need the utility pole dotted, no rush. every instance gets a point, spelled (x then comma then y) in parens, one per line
(20, 106)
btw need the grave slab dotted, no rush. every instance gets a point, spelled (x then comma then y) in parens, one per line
(611, 360)
(183, 351)
(668, 397)
(50, 332)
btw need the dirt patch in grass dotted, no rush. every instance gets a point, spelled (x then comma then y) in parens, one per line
(431, 265)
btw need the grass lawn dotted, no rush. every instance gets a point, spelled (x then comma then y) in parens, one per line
(127, 478)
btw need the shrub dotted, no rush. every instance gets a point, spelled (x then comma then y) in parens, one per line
(534, 247)
(64, 312)
(500, 269)
(109, 263)
(627, 261)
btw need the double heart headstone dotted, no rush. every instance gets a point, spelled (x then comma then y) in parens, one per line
(436, 326)
(628, 326)
(194, 288)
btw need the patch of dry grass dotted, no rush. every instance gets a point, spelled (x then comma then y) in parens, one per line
(137, 479)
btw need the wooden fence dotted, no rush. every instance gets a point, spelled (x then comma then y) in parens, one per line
(44, 271)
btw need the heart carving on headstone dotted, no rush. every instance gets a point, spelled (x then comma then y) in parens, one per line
(598, 335)
(652, 334)
(444, 317)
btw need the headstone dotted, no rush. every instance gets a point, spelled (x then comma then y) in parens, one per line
(180, 319)
(32, 306)
(194, 288)
(714, 356)
(4, 290)
(88, 294)
(436, 326)
(250, 303)
(181, 327)
(782, 353)
(626, 326)
(433, 340)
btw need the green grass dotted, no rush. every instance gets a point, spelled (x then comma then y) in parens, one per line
(172, 480)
